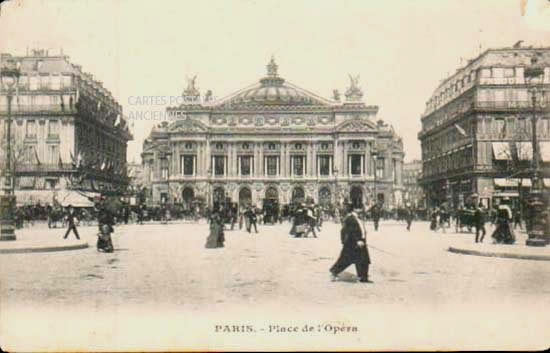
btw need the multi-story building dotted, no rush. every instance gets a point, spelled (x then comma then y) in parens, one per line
(273, 141)
(476, 129)
(62, 119)
(413, 192)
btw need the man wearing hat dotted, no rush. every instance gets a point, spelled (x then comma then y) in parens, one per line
(70, 217)
(354, 247)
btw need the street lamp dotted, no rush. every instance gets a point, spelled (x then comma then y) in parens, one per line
(166, 166)
(374, 155)
(336, 192)
(208, 187)
(9, 77)
(538, 236)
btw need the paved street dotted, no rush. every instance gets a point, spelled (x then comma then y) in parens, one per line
(164, 270)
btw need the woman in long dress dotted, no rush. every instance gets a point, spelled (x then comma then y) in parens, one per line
(215, 237)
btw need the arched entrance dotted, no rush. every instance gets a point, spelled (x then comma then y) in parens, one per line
(187, 195)
(298, 194)
(271, 205)
(272, 194)
(324, 196)
(356, 196)
(245, 197)
(218, 197)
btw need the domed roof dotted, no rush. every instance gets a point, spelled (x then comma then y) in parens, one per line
(274, 90)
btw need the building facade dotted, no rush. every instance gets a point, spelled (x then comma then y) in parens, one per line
(63, 122)
(413, 192)
(476, 129)
(273, 141)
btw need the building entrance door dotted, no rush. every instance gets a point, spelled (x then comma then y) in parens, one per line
(245, 197)
(187, 196)
(298, 194)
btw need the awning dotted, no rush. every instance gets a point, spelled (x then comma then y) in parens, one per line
(525, 151)
(545, 151)
(546, 182)
(44, 197)
(526, 182)
(506, 182)
(75, 199)
(505, 194)
(32, 197)
(501, 151)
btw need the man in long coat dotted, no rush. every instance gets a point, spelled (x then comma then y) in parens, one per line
(71, 219)
(354, 248)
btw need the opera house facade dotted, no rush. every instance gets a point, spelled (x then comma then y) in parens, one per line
(276, 142)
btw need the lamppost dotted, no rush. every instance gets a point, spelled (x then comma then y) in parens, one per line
(538, 234)
(374, 155)
(9, 77)
(208, 188)
(336, 191)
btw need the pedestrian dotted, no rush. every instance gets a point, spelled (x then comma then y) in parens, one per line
(409, 216)
(71, 219)
(354, 248)
(479, 222)
(433, 219)
(503, 233)
(318, 217)
(216, 237)
(242, 210)
(443, 215)
(310, 222)
(104, 241)
(375, 213)
(517, 218)
(250, 214)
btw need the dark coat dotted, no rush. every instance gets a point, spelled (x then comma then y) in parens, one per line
(71, 215)
(479, 217)
(350, 234)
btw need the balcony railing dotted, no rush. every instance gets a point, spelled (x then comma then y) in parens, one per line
(503, 104)
(36, 108)
(48, 167)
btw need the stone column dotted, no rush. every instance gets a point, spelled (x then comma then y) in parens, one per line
(207, 158)
(368, 159)
(287, 160)
(281, 160)
(336, 155)
(261, 160)
(345, 170)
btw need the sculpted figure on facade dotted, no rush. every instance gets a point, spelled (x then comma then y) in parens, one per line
(191, 93)
(354, 93)
(336, 95)
(208, 95)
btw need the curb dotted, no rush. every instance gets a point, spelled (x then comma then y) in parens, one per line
(44, 249)
(501, 255)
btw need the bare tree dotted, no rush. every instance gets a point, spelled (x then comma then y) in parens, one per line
(20, 155)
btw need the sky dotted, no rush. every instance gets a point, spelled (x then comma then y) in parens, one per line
(401, 49)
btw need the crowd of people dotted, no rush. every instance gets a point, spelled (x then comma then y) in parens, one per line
(505, 218)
